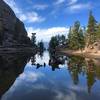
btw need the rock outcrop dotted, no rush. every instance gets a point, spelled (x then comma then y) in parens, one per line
(12, 30)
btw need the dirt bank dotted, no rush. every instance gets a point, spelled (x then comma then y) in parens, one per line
(81, 53)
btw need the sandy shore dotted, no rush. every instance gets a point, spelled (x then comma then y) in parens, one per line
(81, 53)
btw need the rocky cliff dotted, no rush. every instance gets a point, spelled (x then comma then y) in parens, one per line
(12, 30)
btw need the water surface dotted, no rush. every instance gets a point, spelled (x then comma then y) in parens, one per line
(50, 77)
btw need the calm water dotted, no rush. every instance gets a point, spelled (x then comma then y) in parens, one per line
(49, 77)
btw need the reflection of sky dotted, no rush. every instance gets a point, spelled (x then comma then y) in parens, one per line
(45, 84)
(44, 59)
(41, 60)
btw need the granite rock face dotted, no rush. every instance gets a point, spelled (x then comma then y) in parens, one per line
(12, 30)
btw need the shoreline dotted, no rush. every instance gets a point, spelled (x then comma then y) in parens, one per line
(81, 53)
(9, 50)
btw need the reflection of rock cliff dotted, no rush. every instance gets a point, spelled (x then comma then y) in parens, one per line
(12, 30)
(10, 68)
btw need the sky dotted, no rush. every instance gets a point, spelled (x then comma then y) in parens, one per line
(48, 18)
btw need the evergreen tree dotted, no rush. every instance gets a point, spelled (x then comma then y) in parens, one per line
(76, 37)
(63, 40)
(70, 38)
(57, 42)
(91, 30)
(53, 43)
(98, 32)
(81, 39)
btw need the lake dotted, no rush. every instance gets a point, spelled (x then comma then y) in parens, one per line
(47, 76)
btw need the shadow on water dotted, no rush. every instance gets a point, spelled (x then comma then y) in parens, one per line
(10, 67)
(49, 76)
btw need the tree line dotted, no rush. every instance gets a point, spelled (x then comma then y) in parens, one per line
(79, 37)
(39, 46)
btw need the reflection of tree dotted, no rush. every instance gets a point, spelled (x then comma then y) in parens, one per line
(32, 59)
(10, 68)
(41, 54)
(97, 67)
(90, 74)
(75, 67)
(55, 61)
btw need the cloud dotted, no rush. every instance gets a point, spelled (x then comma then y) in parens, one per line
(40, 6)
(30, 76)
(71, 2)
(37, 6)
(29, 17)
(78, 7)
(59, 2)
(62, 96)
(46, 34)
(68, 2)
(13, 5)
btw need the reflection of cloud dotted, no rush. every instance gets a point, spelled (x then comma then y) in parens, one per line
(63, 96)
(40, 86)
(30, 76)
(36, 84)
(62, 66)
(77, 88)
(44, 59)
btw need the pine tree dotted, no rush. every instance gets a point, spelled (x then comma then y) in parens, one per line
(91, 30)
(81, 39)
(53, 43)
(98, 32)
(76, 37)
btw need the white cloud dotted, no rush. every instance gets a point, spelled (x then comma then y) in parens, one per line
(78, 7)
(59, 2)
(71, 2)
(30, 17)
(40, 6)
(13, 5)
(37, 6)
(46, 34)
(68, 2)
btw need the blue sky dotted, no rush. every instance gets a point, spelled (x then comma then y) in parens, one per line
(51, 17)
